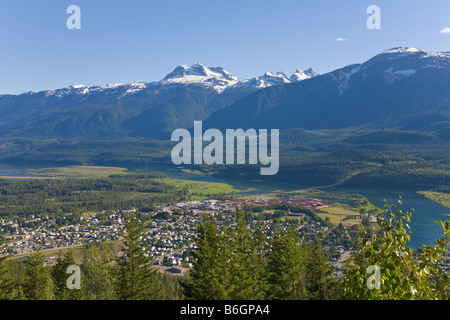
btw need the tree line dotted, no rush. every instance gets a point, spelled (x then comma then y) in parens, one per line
(244, 264)
(62, 196)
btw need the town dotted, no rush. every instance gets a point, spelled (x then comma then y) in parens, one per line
(170, 230)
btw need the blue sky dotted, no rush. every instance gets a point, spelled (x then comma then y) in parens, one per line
(143, 40)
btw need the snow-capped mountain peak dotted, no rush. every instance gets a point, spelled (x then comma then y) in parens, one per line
(197, 74)
(310, 73)
(178, 72)
(404, 60)
(77, 86)
(197, 69)
(300, 75)
(216, 78)
(402, 50)
(272, 79)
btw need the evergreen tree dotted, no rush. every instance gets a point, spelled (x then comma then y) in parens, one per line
(209, 278)
(70, 294)
(170, 286)
(248, 263)
(319, 282)
(38, 282)
(98, 272)
(259, 263)
(16, 270)
(6, 281)
(59, 277)
(134, 274)
(19, 294)
(286, 267)
(242, 280)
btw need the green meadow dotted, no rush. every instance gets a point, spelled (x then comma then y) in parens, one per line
(205, 188)
(339, 215)
(75, 172)
(439, 197)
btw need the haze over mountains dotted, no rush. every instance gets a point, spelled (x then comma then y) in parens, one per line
(401, 88)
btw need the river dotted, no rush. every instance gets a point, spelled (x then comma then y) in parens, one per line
(424, 231)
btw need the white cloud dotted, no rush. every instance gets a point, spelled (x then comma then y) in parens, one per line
(341, 39)
(445, 30)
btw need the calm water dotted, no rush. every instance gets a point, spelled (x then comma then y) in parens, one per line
(7, 170)
(424, 229)
(11, 171)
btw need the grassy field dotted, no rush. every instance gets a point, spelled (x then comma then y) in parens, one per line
(205, 188)
(200, 188)
(52, 253)
(26, 177)
(338, 215)
(75, 172)
(439, 197)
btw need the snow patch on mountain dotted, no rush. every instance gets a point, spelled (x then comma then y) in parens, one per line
(346, 75)
(405, 73)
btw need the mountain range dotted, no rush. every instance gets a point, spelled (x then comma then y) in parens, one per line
(136, 109)
(398, 89)
(401, 88)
